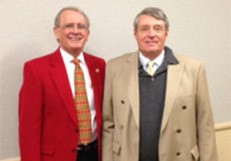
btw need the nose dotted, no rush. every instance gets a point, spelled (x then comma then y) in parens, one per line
(152, 33)
(75, 29)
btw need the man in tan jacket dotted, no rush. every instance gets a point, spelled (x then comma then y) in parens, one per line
(156, 104)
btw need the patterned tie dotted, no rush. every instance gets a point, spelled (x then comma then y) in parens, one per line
(150, 69)
(81, 104)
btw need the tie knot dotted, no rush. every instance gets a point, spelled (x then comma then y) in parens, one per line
(150, 64)
(75, 61)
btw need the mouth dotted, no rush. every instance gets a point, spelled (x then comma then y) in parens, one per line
(151, 42)
(75, 38)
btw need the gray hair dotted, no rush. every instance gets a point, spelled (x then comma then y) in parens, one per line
(57, 17)
(154, 12)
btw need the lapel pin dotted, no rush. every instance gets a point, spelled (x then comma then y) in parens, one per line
(97, 70)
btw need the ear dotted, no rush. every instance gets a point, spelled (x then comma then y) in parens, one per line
(135, 34)
(166, 33)
(88, 33)
(56, 32)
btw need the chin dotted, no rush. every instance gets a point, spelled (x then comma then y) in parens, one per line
(151, 50)
(76, 47)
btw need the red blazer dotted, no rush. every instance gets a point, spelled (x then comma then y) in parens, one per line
(47, 116)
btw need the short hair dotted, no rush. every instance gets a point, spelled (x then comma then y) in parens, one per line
(154, 12)
(57, 17)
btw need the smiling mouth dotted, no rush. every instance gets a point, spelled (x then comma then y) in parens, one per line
(151, 42)
(75, 38)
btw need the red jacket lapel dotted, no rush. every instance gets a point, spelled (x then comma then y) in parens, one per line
(60, 78)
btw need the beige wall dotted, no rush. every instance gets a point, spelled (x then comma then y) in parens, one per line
(198, 28)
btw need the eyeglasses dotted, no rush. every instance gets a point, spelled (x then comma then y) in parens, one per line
(156, 28)
(72, 26)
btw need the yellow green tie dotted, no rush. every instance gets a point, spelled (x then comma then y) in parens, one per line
(150, 68)
(82, 106)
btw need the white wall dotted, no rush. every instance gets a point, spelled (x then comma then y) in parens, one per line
(198, 28)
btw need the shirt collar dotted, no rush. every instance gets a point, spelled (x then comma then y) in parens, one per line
(157, 61)
(67, 58)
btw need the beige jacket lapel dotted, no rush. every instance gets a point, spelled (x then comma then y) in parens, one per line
(174, 77)
(133, 85)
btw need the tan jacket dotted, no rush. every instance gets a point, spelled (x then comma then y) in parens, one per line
(187, 130)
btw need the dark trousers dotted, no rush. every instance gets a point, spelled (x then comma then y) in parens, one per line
(88, 153)
(89, 156)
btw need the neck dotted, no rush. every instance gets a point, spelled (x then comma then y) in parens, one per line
(152, 55)
(74, 53)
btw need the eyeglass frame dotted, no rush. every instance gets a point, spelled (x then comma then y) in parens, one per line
(72, 26)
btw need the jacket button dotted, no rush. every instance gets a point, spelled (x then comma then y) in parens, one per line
(74, 150)
(178, 153)
(184, 107)
(122, 101)
(178, 130)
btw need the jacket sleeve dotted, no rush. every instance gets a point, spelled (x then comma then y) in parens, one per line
(30, 115)
(205, 123)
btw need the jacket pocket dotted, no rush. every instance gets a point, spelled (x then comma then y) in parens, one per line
(195, 153)
(116, 148)
(48, 150)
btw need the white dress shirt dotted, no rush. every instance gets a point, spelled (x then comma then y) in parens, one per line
(70, 68)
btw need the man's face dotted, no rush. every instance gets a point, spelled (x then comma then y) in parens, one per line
(150, 35)
(72, 32)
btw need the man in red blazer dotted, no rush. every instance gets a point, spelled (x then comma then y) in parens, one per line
(48, 126)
